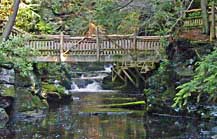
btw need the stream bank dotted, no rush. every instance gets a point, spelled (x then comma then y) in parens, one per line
(179, 68)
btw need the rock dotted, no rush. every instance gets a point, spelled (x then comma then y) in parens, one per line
(6, 101)
(214, 137)
(53, 96)
(3, 118)
(7, 133)
(26, 101)
(75, 98)
(214, 129)
(55, 93)
(7, 90)
(7, 76)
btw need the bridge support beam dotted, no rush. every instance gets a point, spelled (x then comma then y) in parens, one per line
(132, 74)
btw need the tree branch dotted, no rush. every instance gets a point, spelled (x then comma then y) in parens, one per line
(180, 18)
(11, 22)
(119, 8)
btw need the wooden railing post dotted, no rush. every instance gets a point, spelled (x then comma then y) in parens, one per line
(61, 46)
(97, 44)
(135, 46)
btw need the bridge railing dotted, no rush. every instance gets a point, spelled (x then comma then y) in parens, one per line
(194, 19)
(104, 48)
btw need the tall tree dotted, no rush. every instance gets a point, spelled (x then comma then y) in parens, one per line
(11, 21)
(204, 5)
(212, 26)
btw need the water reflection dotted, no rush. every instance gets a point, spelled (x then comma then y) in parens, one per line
(64, 124)
(75, 122)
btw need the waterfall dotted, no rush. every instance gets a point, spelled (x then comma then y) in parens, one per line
(108, 68)
(92, 87)
(90, 81)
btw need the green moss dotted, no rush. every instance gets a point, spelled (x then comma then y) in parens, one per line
(28, 102)
(60, 89)
(49, 87)
(53, 88)
(119, 100)
(9, 92)
(126, 105)
(45, 103)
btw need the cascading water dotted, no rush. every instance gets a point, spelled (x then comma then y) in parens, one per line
(108, 68)
(93, 87)
(90, 81)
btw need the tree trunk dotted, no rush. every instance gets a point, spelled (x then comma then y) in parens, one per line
(212, 27)
(12, 18)
(204, 5)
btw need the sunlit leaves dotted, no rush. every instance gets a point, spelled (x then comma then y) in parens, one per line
(5, 9)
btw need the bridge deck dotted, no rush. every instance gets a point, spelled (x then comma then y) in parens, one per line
(113, 48)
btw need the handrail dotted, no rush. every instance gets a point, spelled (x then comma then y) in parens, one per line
(104, 49)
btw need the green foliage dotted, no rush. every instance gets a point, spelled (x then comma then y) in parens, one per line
(130, 23)
(194, 14)
(29, 20)
(165, 14)
(204, 82)
(13, 52)
(73, 16)
(5, 9)
(159, 80)
(53, 88)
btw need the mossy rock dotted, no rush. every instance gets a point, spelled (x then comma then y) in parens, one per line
(28, 102)
(53, 88)
(8, 91)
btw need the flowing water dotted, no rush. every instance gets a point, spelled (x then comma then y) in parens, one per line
(85, 118)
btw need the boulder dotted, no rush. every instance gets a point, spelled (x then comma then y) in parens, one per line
(3, 118)
(7, 76)
(25, 101)
(7, 91)
(55, 93)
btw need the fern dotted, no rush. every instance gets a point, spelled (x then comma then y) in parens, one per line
(204, 82)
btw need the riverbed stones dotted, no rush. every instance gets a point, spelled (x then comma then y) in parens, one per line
(3, 118)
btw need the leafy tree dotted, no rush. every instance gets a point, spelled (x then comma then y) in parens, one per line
(74, 16)
(164, 16)
(5, 9)
(14, 53)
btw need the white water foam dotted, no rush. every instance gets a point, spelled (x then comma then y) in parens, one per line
(93, 87)
(99, 76)
(108, 68)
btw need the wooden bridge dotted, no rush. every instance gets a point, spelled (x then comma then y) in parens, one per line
(110, 48)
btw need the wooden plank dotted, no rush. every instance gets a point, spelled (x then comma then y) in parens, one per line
(129, 77)
(61, 46)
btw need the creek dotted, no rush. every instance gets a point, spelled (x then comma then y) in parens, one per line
(86, 117)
